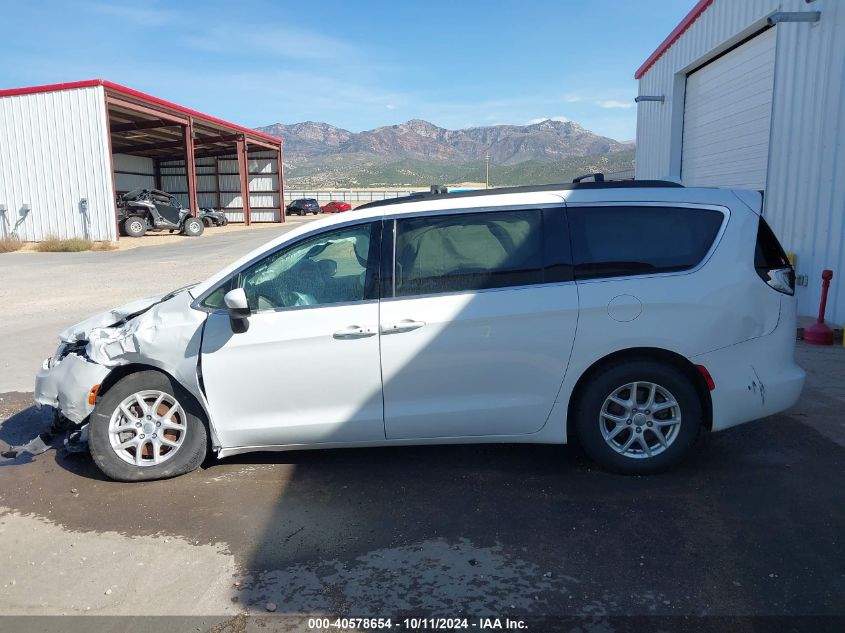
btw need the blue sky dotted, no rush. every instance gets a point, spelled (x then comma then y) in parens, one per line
(356, 64)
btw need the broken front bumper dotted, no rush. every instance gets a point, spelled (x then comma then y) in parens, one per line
(64, 384)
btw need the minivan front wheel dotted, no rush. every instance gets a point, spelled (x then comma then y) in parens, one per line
(146, 427)
(639, 417)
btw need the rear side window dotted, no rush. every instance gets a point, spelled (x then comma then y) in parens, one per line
(622, 241)
(472, 251)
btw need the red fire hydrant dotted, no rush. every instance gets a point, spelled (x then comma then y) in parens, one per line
(819, 333)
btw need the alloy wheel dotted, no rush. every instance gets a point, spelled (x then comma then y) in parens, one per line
(640, 419)
(147, 428)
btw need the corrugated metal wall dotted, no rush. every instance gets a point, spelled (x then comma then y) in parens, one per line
(263, 185)
(131, 172)
(805, 191)
(53, 154)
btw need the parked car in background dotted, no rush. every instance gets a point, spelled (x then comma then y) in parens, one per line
(210, 217)
(633, 316)
(336, 206)
(303, 206)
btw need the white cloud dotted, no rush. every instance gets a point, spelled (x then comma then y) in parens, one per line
(572, 98)
(561, 119)
(390, 106)
(613, 103)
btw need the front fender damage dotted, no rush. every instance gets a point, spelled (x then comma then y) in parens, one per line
(167, 336)
(66, 385)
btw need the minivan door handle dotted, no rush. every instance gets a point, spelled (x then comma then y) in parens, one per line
(405, 325)
(354, 331)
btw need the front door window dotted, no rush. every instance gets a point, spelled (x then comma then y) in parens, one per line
(324, 269)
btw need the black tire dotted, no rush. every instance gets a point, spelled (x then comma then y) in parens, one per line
(135, 226)
(207, 222)
(588, 422)
(187, 457)
(316, 212)
(193, 227)
(224, 221)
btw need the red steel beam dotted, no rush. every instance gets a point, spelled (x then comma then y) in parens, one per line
(141, 125)
(217, 182)
(243, 171)
(137, 107)
(191, 168)
(148, 147)
(270, 146)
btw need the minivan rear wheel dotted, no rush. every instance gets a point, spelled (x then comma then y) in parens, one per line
(146, 427)
(639, 417)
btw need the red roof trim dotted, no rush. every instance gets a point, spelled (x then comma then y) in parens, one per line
(691, 17)
(138, 95)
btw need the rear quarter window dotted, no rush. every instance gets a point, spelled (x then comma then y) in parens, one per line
(639, 240)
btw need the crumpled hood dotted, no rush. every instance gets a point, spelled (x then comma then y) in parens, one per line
(109, 318)
(163, 334)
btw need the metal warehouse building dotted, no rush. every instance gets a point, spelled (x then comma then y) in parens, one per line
(67, 150)
(751, 94)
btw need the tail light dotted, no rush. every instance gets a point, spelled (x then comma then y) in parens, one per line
(771, 262)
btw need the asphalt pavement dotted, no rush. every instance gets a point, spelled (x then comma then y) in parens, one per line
(751, 525)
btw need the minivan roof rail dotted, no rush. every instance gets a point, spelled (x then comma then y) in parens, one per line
(600, 184)
(597, 177)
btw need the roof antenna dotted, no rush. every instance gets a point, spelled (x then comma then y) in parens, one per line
(597, 177)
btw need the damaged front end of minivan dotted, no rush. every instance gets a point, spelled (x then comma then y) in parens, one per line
(161, 333)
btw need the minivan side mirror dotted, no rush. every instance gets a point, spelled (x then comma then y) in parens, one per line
(238, 307)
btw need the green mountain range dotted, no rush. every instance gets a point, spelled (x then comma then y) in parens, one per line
(418, 153)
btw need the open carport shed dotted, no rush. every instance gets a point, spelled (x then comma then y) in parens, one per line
(66, 150)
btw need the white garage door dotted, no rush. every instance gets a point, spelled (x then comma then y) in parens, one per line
(727, 115)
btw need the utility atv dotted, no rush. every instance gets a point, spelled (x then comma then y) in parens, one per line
(142, 210)
(210, 217)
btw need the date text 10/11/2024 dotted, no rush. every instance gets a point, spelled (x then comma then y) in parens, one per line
(417, 624)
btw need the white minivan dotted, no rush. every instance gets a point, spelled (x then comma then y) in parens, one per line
(632, 316)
